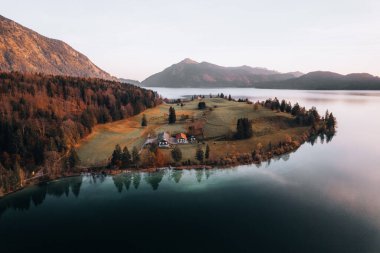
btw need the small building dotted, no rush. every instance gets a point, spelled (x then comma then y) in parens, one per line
(163, 140)
(192, 139)
(181, 138)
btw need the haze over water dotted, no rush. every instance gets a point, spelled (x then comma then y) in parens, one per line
(321, 198)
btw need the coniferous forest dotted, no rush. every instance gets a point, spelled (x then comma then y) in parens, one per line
(42, 117)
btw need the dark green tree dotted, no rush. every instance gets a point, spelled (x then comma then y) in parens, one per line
(135, 156)
(116, 156)
(73, 158)
(296, 109)
(207, 153)
(172, 115)
(125, 157)
(199, 154)
(144, 121)
(243, 129)
(201, 105)
(176, 154)
(331, 122)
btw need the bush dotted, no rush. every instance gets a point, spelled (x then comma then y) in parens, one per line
(201, 105)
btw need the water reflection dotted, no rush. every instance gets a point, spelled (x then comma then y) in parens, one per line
(154, 178)
(23, 199)
(176, 175)
(36, 195)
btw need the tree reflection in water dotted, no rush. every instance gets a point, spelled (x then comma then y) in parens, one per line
(121, 180)
(154, 178)
(199, 175)
(176, 175)
(136, 179)
(37, 194)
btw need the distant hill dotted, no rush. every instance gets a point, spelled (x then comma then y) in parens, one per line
(189, 73)
(24, 50)
(130, 81)
(321, 80)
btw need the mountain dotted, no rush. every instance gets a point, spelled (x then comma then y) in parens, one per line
(189, 73)
(323, 80)
(24, 50)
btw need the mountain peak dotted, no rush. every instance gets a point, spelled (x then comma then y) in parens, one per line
(188, 61)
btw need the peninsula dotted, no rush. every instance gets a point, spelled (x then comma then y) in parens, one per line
(204, 131)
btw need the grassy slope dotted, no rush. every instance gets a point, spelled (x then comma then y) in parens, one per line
(268, 126)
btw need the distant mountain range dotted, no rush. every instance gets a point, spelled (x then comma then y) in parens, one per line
(322, 80)
(189, 73)
(26, 51)
(130, 81)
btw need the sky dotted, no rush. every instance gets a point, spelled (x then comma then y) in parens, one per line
(136, 38)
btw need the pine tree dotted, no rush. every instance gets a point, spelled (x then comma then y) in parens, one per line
(331, 122)
(296, 109)
(176, 154)
(172, 115)
(116, 156)
(243, 129)
(199, 155)
(144, 121)
(135, 156)
(125, 157)
(207, 153)
(73, 158)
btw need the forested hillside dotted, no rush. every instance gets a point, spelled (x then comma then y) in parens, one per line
(43, 116)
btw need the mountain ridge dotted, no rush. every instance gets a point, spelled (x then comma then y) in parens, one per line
(190, 73)
(326, 80)
(26, 51)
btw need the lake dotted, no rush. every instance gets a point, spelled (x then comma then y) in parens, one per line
(322, 198)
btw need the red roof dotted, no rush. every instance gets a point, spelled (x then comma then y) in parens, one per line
(181, 136)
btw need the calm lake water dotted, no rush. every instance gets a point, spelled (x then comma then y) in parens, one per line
(322, 198)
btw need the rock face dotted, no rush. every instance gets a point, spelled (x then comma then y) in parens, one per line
(24, 50)
(189, 73)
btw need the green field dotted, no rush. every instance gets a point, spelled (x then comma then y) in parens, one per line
(218, 121)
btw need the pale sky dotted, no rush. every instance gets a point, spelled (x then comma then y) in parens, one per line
(136, 38)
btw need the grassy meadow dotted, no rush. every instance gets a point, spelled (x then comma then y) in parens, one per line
(218, 121)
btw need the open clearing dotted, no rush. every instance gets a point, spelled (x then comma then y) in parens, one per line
(218, 121)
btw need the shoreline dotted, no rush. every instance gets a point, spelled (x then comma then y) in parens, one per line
(112, 172)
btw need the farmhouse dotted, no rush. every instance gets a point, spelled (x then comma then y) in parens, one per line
(181, 138)
(163, 140)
